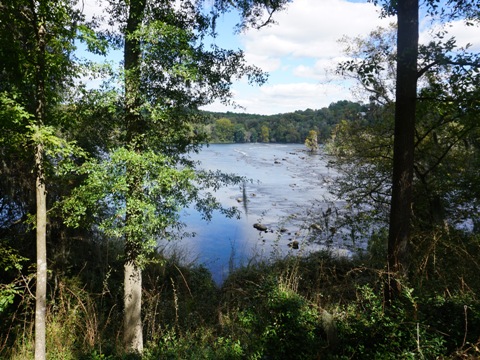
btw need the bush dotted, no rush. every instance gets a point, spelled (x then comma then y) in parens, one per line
(367, 330)
(457, 316)
(280, 324)
(202, 344)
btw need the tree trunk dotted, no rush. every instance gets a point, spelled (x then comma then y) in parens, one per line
(133, 305)
(403, 157)
(133, 337)
(41, 286)
(41, 199)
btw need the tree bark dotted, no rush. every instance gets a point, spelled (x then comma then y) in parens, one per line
(41, 234)
(133, 305)
(404, 144)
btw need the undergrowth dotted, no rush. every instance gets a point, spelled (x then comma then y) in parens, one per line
(318, 306)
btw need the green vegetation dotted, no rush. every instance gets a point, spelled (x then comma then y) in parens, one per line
(296, 308)
(311, 142)
(281, 128)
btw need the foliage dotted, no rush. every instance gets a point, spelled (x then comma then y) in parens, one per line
(183, 296)
(282, 128)
(201, 344)
(283, 323)
(10, 259)
(311, 142)
(264, 134)
(457, 316)
(444, 133)
(96, 159)
(266, 309)
(105, 192)
(11, 263)
(224, 130)
(368, 330)
(372, 64)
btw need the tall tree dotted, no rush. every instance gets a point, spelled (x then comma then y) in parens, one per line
(407, 74)
(36, 67)
(168, 74)
(407, 12)
(404, 140)
(135, 125)
(40, 193)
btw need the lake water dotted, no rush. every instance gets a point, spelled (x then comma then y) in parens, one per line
(288, 184)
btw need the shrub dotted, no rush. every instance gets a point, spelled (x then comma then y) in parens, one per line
(281, 324)
(369, 331)
(456, 316)
(202, 344)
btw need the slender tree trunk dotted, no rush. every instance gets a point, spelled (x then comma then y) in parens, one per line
(41, 287)
(133, 336)
(403, 157)
(41, 199)
(133, 306)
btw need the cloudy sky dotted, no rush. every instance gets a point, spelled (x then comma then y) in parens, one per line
(300, 52)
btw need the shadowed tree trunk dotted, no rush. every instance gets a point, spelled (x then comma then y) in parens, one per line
(403, 157)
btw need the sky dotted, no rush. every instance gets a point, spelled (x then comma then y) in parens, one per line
(300, 53)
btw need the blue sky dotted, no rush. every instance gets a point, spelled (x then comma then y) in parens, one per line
(300, 53)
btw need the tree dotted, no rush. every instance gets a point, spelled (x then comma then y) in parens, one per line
(409, 69)
(407, 12)
(264, 134)
(404, 144)
(443, 130)
(36, 67)
(224, 130)
(168, 73)
(239, 135)
(311, 142)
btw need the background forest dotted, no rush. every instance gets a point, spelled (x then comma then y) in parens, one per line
(281, 128)
(93, 178)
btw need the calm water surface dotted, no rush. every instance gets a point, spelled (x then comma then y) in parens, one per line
(287, 183)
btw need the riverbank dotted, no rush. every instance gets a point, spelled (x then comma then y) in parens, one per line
(316, 306)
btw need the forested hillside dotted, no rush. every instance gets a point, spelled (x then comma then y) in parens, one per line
(282, 128)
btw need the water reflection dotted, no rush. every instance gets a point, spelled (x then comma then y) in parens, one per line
(287, 182)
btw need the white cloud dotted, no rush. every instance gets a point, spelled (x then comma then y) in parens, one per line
(283, 98)
(302, 50)
(466, 35)
(463, 34)
(266, 63)
(311, 28)
(323, 70)
(91, 8)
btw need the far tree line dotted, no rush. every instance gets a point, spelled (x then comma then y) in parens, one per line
(291, 127)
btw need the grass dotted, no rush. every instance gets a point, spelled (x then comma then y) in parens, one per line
(310, 307)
